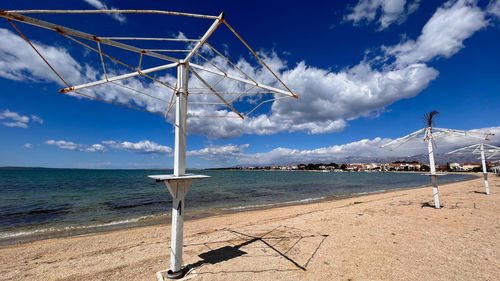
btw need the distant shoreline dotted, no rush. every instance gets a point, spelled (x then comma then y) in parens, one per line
(10, 168)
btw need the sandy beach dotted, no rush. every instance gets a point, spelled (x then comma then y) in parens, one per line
(387, 236)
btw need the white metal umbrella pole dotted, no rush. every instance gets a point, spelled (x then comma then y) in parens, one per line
(485, 171)
(178, 184)
(432, 165)
(179, 189)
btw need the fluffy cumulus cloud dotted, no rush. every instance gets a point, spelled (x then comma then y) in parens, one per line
(219, 152)
(14, 119)
(348, 94)
(282, 155)
(327, 100)
(36, 119)
(19, 62)
(144, 146)
(387, 11)
(101, 5)
(68, 145)
(443, 35)
(494, 8)
(95, 148)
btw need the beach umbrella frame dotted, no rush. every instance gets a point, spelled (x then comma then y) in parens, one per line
(179, 182)
(486, 151)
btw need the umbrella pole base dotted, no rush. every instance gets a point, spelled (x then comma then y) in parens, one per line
(175, 275)
(169, 274)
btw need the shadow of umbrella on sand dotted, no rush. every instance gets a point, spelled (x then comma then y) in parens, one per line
(254, 245)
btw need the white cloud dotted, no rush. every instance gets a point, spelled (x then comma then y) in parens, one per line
(7, 114)
(68, 145)
(15, 124)
(494, 8)
(144, 146)
(19, 62)
(281, 155)
(219, 152)
(442, 35)
(28, 145)
(95, 148)
(37, 119)
(389, 11)
(101, 5)
(14, 119)
(351, 93)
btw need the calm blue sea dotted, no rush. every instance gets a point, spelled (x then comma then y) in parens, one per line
(39, 203)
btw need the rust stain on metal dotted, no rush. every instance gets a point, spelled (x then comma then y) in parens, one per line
(15, 17)
(62, 91)
(95, 38)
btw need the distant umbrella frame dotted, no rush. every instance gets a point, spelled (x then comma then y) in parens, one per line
(429, 134)
(486, 151)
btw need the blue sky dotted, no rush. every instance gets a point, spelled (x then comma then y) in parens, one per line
(365, 72)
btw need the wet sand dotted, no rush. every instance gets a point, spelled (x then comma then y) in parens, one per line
(388, 236)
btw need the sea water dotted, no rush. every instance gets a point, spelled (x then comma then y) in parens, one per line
(42, 203)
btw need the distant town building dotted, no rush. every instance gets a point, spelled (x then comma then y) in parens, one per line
(354, 167)
(496, 169)
(470, 166)
(456, 167)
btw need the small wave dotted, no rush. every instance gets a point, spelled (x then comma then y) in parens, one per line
(6, 235)
(31, 214)
(127, 204)
(274, 204)
(33, 210)
(362, 193)
(373, 192)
